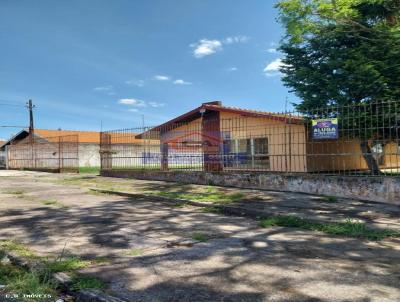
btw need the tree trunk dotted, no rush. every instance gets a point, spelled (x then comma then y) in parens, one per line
(369, 158)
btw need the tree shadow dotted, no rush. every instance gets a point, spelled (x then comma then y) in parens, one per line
(241, 262)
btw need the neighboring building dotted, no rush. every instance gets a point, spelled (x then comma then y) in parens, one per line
(221, 138)
(89, 143)
(2, 156)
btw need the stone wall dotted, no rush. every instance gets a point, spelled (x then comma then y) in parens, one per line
(381, 189)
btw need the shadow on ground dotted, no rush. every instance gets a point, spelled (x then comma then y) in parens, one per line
(238, 262)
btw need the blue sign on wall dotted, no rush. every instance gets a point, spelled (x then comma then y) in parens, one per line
(325, 129)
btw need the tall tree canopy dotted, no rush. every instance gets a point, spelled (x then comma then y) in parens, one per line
(342, 52)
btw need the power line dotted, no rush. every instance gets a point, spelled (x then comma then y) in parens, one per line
(13, 126)
(14, 105)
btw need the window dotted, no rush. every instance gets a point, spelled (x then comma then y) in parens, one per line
(260, 145)
(246, 153)
(260, 153)
(244, 146)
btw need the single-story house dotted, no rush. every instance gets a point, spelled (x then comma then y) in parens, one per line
(224, 138)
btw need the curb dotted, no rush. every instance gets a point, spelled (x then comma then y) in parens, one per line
(64, 281)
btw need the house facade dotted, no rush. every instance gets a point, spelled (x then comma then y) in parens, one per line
(220, 138)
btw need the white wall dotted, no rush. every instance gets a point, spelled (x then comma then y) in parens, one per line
(89, 155)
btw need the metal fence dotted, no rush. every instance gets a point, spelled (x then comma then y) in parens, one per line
(360, 139)
(56, 154)
(3, 157)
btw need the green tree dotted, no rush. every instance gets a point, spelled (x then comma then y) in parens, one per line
(341, 53)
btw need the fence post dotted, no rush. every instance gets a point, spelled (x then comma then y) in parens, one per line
(105, 151)
(211, 141)
(59, 154)
(164, 156)
(7, 157)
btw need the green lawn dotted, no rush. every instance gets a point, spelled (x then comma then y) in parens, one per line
(89, 170)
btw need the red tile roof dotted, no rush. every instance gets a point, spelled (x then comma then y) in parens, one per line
(89, 136)
(83, 136)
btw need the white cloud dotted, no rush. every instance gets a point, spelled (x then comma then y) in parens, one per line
(138, 83)
(273, 68)
(181, 82)
(206, 47)
(236, 39)
(132, 102)
(139, 103)
(162, 78)
(232, 69)
(156, 105)
(272, 50)
(104, 88)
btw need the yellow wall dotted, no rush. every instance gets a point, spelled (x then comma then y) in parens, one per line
(345, 155)
(286, 143)
(335, 155)
(181, 132)
(392, 155)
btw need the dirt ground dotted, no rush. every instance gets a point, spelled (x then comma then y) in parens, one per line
(153, 254)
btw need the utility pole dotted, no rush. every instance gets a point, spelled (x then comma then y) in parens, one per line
(30, 107)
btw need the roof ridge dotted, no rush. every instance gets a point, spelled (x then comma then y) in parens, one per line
(249, 110)
(55, 130)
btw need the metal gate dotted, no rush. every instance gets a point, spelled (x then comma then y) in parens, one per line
(53, 154)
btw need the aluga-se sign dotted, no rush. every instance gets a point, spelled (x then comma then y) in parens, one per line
(325, 128)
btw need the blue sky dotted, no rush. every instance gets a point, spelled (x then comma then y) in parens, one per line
(83, 62)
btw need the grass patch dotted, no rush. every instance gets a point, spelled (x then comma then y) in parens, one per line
(20, 249)
(348, 228)
(100, 260)
(133, 252)
(53, 202)
(181, 205)
(21, 282)
(210, 195)
(83, 281)
(331, 198)
(15, 192)
(200, 237)
(99, 193)
(67, 264)
(89, 170)
(214, 210)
